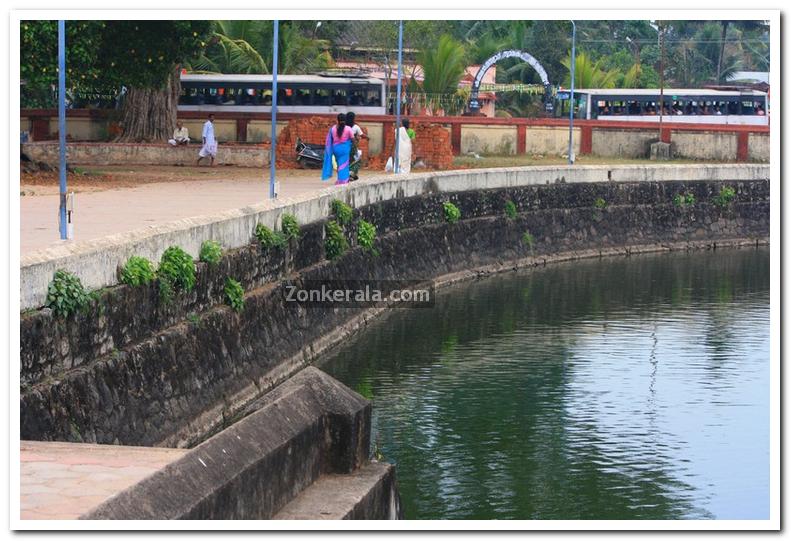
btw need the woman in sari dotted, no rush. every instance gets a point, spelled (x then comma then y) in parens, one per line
(338, 145)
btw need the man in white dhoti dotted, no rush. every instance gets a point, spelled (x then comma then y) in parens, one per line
(209, 142)
(404, 148)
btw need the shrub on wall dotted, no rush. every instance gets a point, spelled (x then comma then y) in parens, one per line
(451, 212)
(528, 240)
(178, 268)
(600, 203)
(510, 209)
(290, 226)
(684, 199)
(725, 197)
(268, 238)
(65, 294)
(138, 271)
(343, 212)
(210, 252)
(335, 242)
(366, 235)
(234, 294)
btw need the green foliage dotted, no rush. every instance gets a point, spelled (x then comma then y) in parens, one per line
(210, 252)
(234, 294)
(451, 212)
(335, 242)
(178, 268)
(684, 199)
(599, 203)
(443, 66)
(65, 294)
(268, 238)
(343, 212)
(138, 271)
(528, 240)
(725, 197)
(105, 55)
(165, 289)
(366, 235)
(290, 226)
(589, 74)
(510, 209)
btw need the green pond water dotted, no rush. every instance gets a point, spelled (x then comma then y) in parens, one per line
(620, 388)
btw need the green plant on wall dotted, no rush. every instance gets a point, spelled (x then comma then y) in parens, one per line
(726, 196)
(138, 271)
(343, 212)
(600, 203)
(234, 294)
(335, 242)
(528, 240)
(686, 199)
(510, 209)
(268, 238)
(451, 212)
(366, 235)
(290, 226)
(210, 252)
(177, 267)
(65, 294)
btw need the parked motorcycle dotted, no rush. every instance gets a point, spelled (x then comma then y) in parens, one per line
(312, 156)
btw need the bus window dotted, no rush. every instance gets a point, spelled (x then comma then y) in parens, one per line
(374, 96)
(748, 108)
(339, 97)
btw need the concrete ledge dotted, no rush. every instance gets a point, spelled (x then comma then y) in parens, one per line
(96, 262)
(309, 426)
(145, 154)
(370, 493)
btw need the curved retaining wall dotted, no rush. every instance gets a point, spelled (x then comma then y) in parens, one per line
(133, 371)
(96, 262)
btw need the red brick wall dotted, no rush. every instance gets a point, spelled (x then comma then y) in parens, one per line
(431, 144)
(311, 130)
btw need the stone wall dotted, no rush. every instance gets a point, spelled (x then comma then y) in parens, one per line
(145, 154)
(136, 372)
(306, 428)
(96, 262)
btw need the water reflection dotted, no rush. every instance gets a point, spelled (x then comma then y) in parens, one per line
(616, 388)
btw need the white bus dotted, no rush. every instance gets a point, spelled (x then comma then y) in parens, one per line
(295, 94)
(694, 106)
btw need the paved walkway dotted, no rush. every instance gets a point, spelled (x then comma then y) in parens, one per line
(102, 213)
(65, 480)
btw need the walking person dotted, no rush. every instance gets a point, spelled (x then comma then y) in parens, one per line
(209, 147)
(355, 156)
(338, 145)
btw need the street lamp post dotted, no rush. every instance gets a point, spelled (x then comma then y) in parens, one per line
(398, 95)
(62, 126)
(571, 97)
(273, 146)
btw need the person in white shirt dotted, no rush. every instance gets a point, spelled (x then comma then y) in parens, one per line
(355, 158)
(181, 136)
(209, 142)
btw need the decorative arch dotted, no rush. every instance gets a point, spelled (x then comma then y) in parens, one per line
(475, 105)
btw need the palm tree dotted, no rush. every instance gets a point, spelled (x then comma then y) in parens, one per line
(443, 67)
(588, 74)
(235, 47)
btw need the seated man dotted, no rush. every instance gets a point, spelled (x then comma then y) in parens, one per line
(181, 135)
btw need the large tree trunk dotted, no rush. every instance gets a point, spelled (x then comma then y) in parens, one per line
(149, 114)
